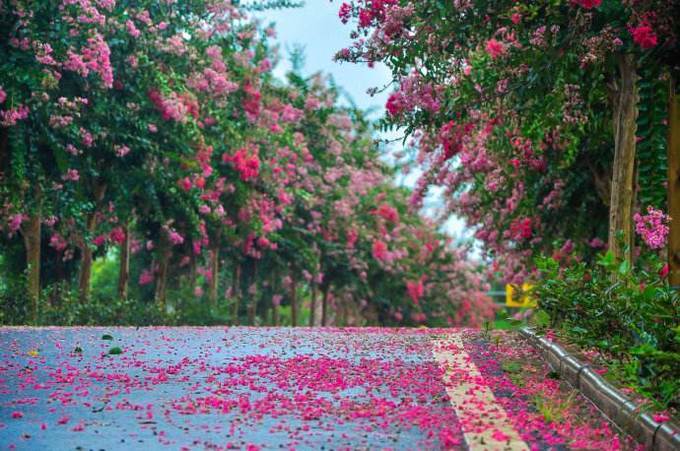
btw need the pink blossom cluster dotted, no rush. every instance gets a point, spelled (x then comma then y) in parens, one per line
(11, 116)
(176, 107)
(245, 161)
(95, 57)
(653, 227)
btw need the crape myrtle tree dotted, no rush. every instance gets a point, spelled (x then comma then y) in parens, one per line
(544, 120)
(154, 136)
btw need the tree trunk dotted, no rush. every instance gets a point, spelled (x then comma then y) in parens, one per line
(164, 254)
(4, 149)
(215, 272)
(324, 305)
(86, 261)
(312, 304)
(674, 186)
(31, 233)
(252, 297)
(192, 269)
(86, 258)
(623, 176)
(275, 315)
(293, 304)
(236, 290)
(124, 271)
(345, 313)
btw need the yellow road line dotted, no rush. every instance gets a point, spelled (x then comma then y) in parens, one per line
(485, 423)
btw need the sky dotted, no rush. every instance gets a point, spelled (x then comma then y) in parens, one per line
(318, 30)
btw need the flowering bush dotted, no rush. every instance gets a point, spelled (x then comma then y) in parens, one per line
(632, 322)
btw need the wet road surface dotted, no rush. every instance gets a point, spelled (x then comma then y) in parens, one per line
(254, 388)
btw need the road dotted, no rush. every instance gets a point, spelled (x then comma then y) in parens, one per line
(258, 388)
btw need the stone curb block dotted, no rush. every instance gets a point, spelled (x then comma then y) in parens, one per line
(618, 408)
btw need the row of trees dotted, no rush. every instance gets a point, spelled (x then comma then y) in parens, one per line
(153, 135)
(546, 121)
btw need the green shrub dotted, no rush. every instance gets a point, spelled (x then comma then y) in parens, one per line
(630, 314)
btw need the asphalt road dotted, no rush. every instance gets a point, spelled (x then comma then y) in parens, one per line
(248, 388)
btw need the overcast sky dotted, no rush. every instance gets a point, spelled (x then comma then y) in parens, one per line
(317, 28)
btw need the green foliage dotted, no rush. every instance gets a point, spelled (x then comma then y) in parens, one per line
(629, 314)
(653, 133)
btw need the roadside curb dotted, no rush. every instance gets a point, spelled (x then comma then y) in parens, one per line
(623, 412)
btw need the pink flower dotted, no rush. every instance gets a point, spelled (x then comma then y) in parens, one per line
(596, 243)
(291, 114)
(345, 12)
(16, 414)
(653, 227)
(146, 277)
(521, 228)
(251, 102)
(416, 289)
(132, 29)
(174, 237)
(365, 18)
(72, 175)
(495, 48)
(588, 4)
(121, 151)
(185, 183)
(395, 104)
(13, 115)
(245, 161)
(644, 36)
(664, 271)
(3, 95)
(276, 299)
(387, 212)
(58, 242)
(15, 222)
(380, 251)
(86, 137)
(117, 235)
(661, 417)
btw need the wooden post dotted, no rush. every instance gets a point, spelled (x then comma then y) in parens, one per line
(623, 175)
(674, 185)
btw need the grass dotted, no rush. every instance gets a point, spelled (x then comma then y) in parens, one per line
(553, 410)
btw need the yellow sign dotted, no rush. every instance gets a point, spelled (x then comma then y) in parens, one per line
(522, 298)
